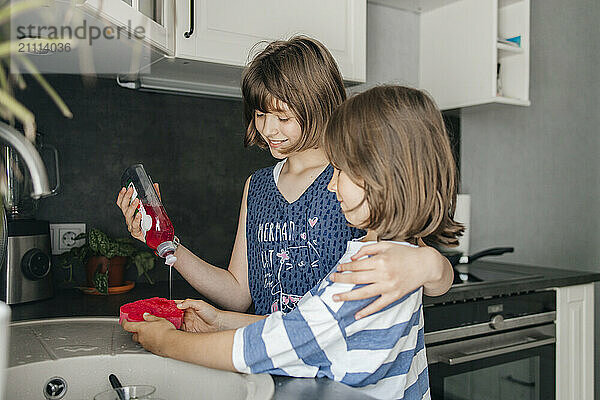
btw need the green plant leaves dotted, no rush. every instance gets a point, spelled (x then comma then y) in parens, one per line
(100, 244)
(101, 282)
(144, 262)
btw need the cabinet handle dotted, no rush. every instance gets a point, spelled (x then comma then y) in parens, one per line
(454, 359)
(191, 31)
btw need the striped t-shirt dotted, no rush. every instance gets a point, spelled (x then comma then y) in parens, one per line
(382, 354)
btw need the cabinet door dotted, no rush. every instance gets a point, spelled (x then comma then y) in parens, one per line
(463, 59)
(458, 52)
(226, 32)
(156, 17)
(575, 342)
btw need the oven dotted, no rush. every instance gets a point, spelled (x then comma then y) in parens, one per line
(493, 348)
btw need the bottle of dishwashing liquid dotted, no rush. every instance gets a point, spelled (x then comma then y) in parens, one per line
(156, 226)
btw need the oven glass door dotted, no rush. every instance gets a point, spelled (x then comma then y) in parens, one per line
(526, 374)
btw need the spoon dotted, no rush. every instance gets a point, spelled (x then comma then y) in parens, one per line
(116, 384)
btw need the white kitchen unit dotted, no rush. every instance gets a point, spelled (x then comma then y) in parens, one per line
(157, 17)
(460, 50)
(575, 342)
(225, 32)
(214, 40)
(104, 37)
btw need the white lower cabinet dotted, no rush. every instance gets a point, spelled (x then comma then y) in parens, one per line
(575, 342)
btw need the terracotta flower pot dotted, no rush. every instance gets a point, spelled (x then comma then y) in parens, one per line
(101, 264)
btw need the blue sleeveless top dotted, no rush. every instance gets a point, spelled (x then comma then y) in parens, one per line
(291, 246)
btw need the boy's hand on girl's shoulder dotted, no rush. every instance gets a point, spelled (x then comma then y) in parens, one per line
(151, 333)
(200, 317)
(391, 271)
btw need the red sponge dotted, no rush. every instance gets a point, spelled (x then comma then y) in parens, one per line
(156, 306)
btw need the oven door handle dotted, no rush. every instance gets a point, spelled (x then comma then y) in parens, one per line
(460, 358)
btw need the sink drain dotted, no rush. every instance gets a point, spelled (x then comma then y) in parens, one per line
(55, 388)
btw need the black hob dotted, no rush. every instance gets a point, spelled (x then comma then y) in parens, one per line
(464, 275)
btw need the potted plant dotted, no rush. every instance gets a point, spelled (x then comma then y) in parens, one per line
(105, 259)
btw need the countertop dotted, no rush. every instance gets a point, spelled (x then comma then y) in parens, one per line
(525, 278)
(71, 302)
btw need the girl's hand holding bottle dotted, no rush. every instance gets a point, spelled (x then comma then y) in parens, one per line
(391, 272)
(128, 208)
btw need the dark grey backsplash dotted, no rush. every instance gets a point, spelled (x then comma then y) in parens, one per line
(452, 122)
(192, 146)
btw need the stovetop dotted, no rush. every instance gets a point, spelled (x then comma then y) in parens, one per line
(463, 276)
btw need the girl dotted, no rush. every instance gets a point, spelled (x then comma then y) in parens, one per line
(394, 177)
(290, 229)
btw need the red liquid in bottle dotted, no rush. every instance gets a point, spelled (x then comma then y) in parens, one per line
(156, 226)
(161, 230)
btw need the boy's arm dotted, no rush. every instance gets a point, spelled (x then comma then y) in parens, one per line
(264, 346)
(441, 274)
(160, 337)
(392, 270)
(212, 350)
(301, 343)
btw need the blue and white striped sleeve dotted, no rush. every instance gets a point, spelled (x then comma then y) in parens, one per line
(304, 343)
(317, 337)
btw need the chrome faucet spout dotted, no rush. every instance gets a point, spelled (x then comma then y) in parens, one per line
(32, 159)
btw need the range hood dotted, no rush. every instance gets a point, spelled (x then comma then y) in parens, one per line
(187, 77)
(182, 76)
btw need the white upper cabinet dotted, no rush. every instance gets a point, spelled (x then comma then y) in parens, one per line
(461, 56)
(464, 59)
(156, 17)
(107, 37)
(225, 32)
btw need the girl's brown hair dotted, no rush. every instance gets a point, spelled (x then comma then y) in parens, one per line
(391, 140)
(301, 73)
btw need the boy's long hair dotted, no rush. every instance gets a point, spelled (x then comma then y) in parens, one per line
(391, 140)
(301, 73)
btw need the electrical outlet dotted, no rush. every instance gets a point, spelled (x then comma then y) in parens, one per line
(63, 237)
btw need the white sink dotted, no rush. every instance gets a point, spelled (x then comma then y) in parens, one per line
(84, 351)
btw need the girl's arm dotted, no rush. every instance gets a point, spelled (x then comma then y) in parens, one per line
(159, 336)
(229, 287)
(202, 317)
(392, 271)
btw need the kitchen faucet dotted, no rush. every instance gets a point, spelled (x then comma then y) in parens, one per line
(32, 159)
